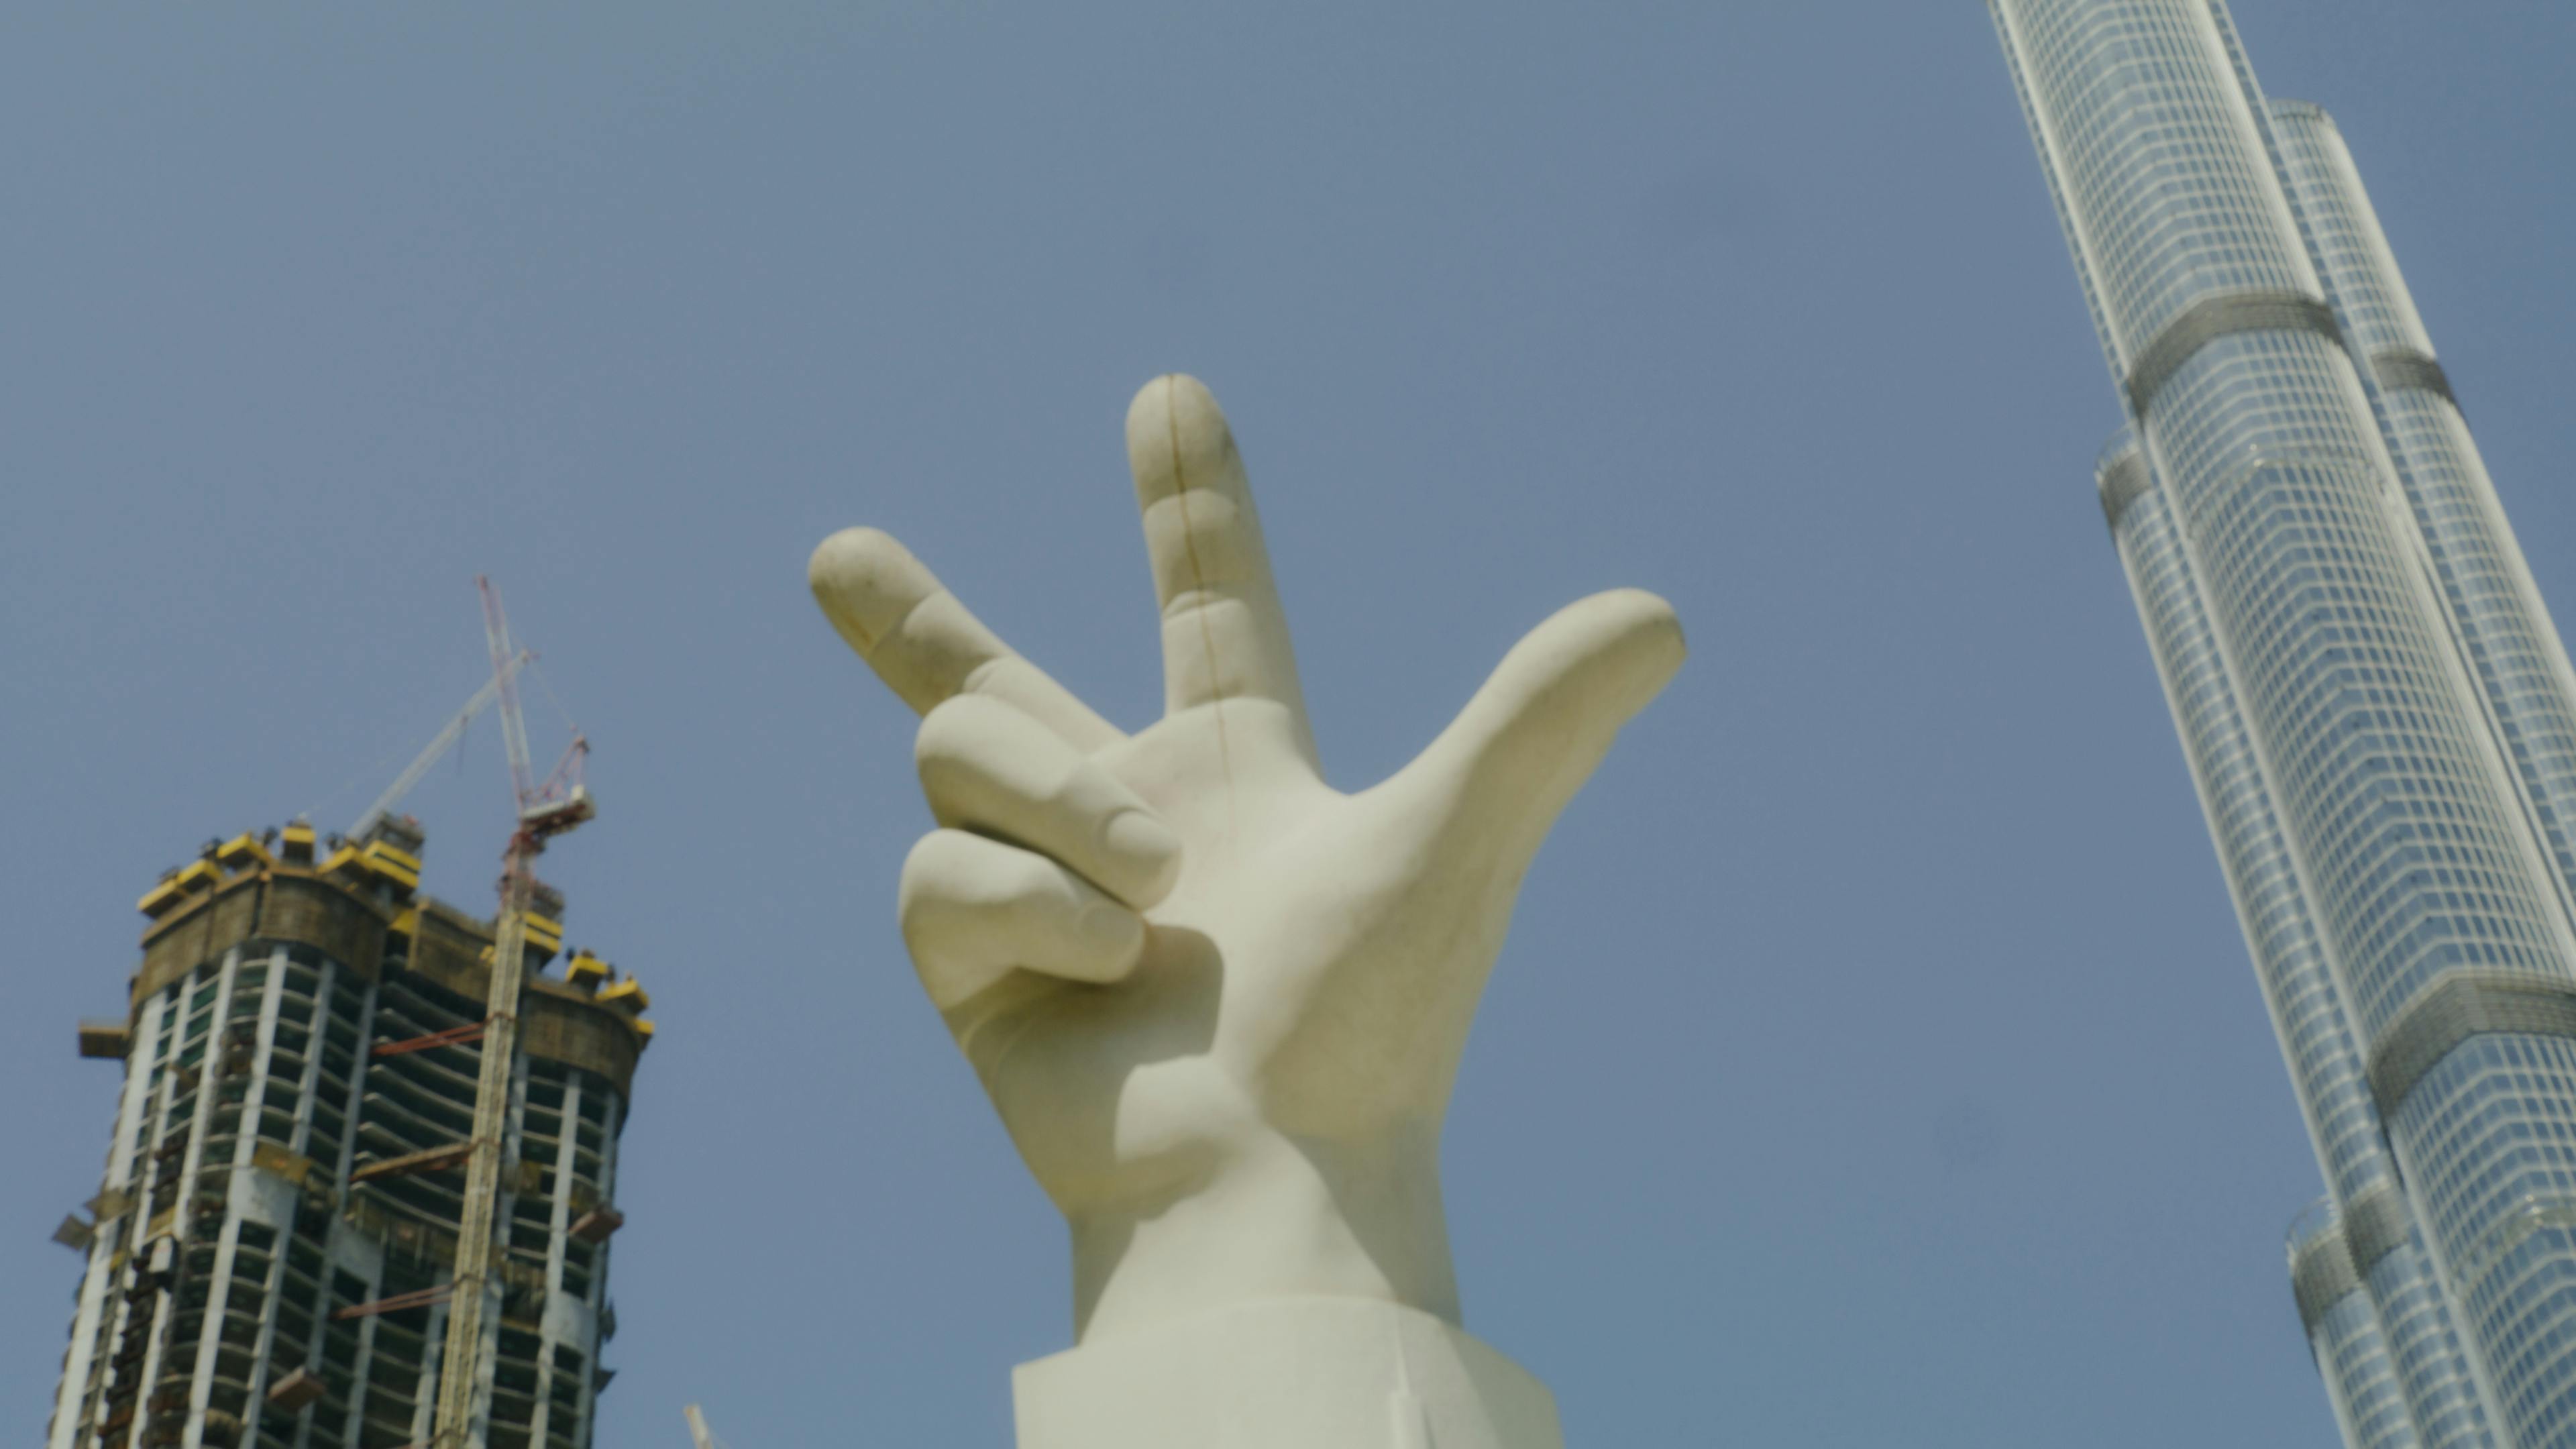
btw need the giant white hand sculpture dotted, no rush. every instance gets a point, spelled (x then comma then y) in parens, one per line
(1218, 1003)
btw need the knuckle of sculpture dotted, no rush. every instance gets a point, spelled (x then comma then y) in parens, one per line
(938, 738)
(919, 889)
(957, 735)
(1190, 599)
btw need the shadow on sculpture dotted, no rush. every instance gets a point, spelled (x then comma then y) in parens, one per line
(1218, 1004)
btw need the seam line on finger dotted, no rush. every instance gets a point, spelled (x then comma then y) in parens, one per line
(1198, 584)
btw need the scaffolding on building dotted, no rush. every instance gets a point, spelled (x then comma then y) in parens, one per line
(314, 1051)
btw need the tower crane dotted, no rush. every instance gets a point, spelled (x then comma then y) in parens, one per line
(543, 810)
(412, 773)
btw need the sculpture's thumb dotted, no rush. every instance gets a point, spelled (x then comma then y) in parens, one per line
(1500, 774)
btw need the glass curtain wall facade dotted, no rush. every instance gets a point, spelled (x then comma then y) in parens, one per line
(2412, 1322)
(2375, 706)
(2361, 1378)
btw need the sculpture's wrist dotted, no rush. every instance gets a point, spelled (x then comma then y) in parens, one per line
(1290, 1373)
(1276, 1218)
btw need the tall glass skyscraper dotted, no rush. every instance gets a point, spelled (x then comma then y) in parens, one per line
(2378, 714)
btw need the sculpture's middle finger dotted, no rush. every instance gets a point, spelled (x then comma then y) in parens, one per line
(989, 768)
(1224, 636)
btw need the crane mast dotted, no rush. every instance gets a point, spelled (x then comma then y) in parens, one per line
(540, 812)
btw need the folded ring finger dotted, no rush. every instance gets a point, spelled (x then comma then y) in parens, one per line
(990, 768)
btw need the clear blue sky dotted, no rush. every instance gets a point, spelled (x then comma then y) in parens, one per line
(1875, 1061)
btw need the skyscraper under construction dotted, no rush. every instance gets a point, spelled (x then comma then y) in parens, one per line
(2376, 708)
(272, 1253)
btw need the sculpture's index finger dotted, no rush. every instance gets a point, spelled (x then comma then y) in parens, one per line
(868, 584)
(1224, 636)
(923, 643)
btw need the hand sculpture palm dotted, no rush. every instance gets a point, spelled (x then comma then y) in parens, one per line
(1218, 1004)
